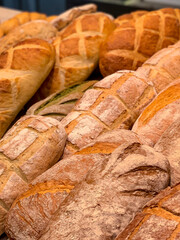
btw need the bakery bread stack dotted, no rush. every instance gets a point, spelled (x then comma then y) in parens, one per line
(68, 173)
(29, 148)
(117, 100)
(158, 220)
(133, 42)
(107, 200)
(77, 51)
(23, 68)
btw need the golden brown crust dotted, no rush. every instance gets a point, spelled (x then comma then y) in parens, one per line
(23, 69)
(159, 114)
(134, 41)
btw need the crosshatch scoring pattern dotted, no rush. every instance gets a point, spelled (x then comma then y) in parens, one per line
(134, 41)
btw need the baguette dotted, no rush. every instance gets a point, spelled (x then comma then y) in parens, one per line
(113, 192)
(59, 104)
(29, 148)
(55, 184)
(77, 51)
(23, 68)
(117, 100)
(158, 220)
(159, 114)
(34, 29)
(169, 145)
(131, 44)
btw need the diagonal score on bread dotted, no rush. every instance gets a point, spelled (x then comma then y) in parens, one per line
(23, 68)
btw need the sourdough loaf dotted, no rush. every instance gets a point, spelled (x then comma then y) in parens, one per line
(55, 184)
(18, 20)
(28, 149)
(117, 100)
(23, 68)
(34, 29)
(169, 145)
(77, 51)
(59, 104)
(159, 220)
(107, 200)
(159, 114)
(114, 102)
(133, 42)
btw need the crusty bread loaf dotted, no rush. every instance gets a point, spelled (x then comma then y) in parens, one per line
(18, 20)
(159, 114)
(114, 102)
(56, 183)
(131, 44)
(159, 220)
(169, 145)
(68, 16)
(59, 104)
(23, 68)
(34, 29)
(114, 190)
(77, 51)
(125, 18)
(117, 100)
(28, 149)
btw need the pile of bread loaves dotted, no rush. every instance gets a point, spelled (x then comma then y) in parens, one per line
(83, 158)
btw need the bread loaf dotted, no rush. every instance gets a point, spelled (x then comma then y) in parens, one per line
(159, 114)
(34, 29)
(107, 200)
(59, 104)
(133, 42)
(18, 20)
(117, 100)
(169, 145)
(68, 16)
(114, 102)
(28, 149)
(158, 220)
(55, 184)
(77, 51)
(23, 68)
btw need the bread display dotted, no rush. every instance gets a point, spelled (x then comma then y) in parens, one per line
(77, 51)
(169, 146)
(159, 219)
(34, 29)
(23, 68)
(56, 183)
(29, 148)
(112, 193)
(133, 42)
(59, 104)
(159, 114)
(91, 159)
